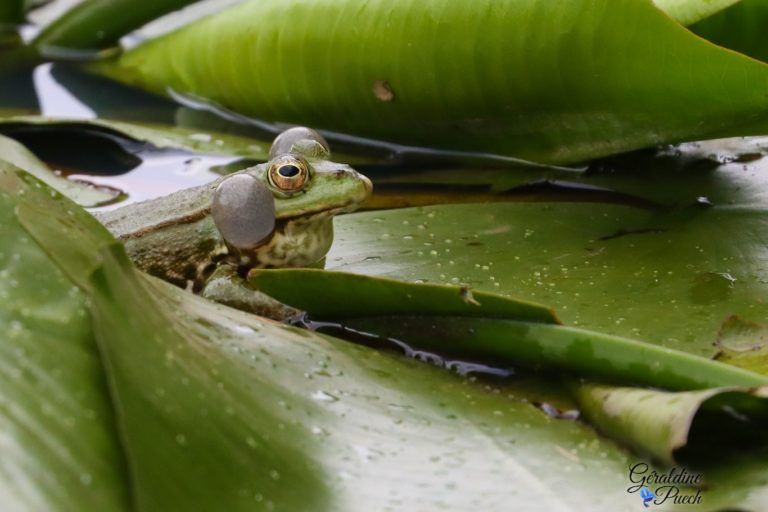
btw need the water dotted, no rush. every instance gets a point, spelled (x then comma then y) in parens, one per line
(339, 330)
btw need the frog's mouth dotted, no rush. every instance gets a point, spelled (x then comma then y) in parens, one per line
(357, 190)
(320, 214)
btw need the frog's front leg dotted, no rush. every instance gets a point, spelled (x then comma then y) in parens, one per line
(225, 286)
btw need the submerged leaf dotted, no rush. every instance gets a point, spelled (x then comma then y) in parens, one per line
(572, 80)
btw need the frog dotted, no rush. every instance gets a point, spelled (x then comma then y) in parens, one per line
(275, 214)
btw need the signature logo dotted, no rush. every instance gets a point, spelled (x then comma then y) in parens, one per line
(676, 485)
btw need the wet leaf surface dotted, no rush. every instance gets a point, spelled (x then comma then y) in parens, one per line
(660, 277)
(126, 394)
(195, 390)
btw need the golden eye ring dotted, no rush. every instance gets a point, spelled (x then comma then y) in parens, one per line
(288, 174)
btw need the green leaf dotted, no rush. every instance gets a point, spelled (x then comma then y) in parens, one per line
(551, 83)
(340, 295)
(95, 24)
(60, 448)
(16, 154)
(207, 408)
(665, 425)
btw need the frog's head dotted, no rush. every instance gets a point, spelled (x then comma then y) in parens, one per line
(298, 186)
(305, 182)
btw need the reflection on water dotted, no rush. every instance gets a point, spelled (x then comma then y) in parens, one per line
(54, 99)
(139, 170)
(159, 174)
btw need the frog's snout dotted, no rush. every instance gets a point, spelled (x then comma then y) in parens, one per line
(367, 186)
(362, 187)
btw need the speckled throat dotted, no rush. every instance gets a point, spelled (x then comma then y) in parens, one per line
(297, 242)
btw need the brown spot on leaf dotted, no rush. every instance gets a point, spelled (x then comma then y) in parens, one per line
(383, 91)
(743, 343)
(466, 296)
(739, 335)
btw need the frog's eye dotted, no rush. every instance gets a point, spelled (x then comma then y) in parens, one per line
(288, 174)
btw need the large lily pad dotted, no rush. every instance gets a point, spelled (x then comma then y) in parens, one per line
(614, 269)
(593, 85)
(208, 408)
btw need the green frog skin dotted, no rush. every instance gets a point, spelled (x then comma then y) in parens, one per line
(272, 215)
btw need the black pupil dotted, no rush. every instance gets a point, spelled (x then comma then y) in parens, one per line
(288, 171)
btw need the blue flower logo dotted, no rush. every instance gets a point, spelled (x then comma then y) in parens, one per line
(647, 496)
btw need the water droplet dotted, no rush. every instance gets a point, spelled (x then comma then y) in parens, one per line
(322, 396)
